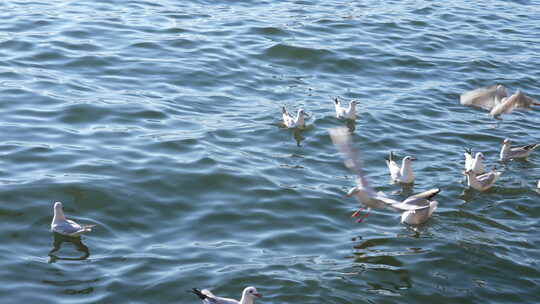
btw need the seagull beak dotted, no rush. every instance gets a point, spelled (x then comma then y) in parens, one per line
(258, 295)
(356, 213)
(413, 158)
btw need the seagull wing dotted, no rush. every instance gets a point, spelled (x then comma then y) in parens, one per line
(423, 195)
(488, 179)
(394, 169)
(342, 139)
(71, 228)
(287, 118)
(468, 160)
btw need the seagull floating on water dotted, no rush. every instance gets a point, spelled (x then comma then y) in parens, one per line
(404, 174)
(346, 113)
(368, 198)
(495, 99)
(507, 152)
(291, 122)
(207, 297)
(482, 182)
(64, 226)
(476, 164)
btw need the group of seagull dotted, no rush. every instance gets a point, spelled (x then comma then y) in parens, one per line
(415, 209)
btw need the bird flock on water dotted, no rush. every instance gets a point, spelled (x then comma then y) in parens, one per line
(415, 209)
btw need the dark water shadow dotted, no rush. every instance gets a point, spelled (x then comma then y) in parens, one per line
(298, 138)
(351, 125)
(406, 190)
(57, 245)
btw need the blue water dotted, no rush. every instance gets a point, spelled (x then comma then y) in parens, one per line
(158, 121)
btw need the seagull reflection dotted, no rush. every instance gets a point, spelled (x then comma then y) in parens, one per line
(297, 135)
(351, 125)
(57, 244)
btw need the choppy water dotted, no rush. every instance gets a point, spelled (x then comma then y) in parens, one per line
(157, 121)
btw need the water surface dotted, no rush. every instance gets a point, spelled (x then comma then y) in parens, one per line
(158, 122)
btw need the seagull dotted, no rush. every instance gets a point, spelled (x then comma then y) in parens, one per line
(417, 217)
(475, 163)
(404, 174)
(507, 152)
(365, 195)
(207, 297)
(495, 99)
(346, 113)
(482, 182)
(538, 186)
(291, 122)
(64, 226)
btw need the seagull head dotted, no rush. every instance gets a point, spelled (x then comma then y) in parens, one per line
(58, 206)
(251, 292)
(58, 211)
(409, 159)
(507, 142)
(354, 102)
(480, 155)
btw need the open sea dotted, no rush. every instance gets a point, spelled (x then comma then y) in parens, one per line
(158, 121)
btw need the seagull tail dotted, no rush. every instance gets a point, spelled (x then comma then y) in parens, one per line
(87, 228)
(283, 110)
(468, 150)
(198, 293)
(336, 100)
(531, 146)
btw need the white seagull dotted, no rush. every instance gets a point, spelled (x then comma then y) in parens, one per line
(482, 182)
(476, 164)
(538, 186)
(291, 122)
(495, 99)
(404, 174)
(207, 297)
(64, 226)
(367, 197)
(345, 113)
(507, 152)
(417, 217)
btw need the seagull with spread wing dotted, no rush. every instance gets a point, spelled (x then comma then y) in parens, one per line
(403, 175)
(495, 99)
(291, 122)
(476, 164)
(343, 112)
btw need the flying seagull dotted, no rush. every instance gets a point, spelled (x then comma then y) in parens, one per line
(495, 99)
(207, 297)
